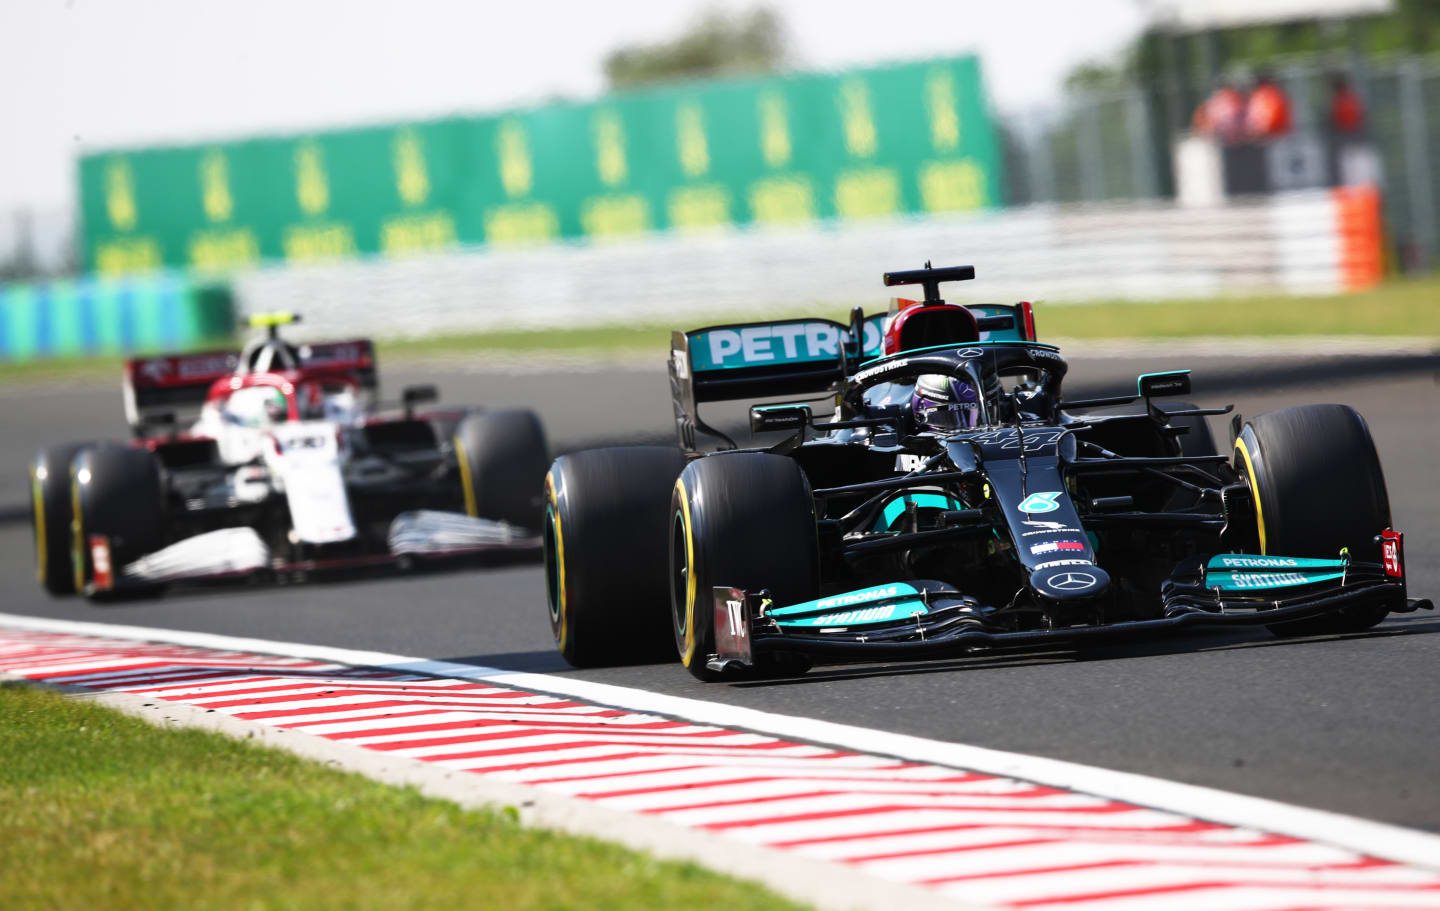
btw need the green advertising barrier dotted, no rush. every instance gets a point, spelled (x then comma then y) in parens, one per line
(904, 139)
(112, 316)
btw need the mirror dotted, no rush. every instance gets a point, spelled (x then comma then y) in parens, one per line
(1175, 382)
(779, 417)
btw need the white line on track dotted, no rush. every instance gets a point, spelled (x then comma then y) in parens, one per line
(1381, 840)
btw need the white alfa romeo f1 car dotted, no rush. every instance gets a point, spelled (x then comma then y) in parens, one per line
(293, 465)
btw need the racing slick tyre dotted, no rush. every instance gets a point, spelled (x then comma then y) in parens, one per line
(745, 520)
(1318, 486)
(606, 517)
(117, 498)
(502, 457)
(50, 517)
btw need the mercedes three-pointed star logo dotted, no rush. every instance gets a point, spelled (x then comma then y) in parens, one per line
(1071, 582)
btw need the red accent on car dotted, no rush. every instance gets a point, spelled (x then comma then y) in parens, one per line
(101, 572)
(1027, 314)
(1392, 552)
(933, 324)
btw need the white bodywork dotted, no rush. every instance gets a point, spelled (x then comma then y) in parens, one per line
(301, 459)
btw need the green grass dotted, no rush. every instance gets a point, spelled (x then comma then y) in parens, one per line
(1408, 307)
(101, 810)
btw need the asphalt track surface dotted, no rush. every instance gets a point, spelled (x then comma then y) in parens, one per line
(1350, 724)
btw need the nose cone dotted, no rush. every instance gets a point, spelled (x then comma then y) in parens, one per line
(1070, 583)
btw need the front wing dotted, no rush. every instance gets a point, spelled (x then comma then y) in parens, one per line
(918, 620)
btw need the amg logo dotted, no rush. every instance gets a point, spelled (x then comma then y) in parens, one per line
(847, 618)
(1259, 562)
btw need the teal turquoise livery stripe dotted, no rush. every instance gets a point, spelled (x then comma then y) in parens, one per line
(896, 507)
(877, 604)
(1232, 581)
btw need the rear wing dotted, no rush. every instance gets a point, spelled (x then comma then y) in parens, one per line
(168, 383)
(792, 357)
(356, 356)
(760, 360)
(159, 388)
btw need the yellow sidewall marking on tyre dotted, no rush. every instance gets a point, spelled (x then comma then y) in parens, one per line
(1254, 488)
(689, 654)
(77, 534)
(559, 561)
(39, 496)
(467, 483)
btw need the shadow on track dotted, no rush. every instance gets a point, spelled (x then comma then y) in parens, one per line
(219, 590)
(1146, 648)
(545, 661)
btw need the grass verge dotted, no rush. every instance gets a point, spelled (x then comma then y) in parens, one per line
(1408, 307)
(101, 810)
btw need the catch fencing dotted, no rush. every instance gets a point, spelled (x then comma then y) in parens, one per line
(1117, 145)
(1314, 242)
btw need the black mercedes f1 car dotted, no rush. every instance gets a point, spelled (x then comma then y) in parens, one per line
(954, 500)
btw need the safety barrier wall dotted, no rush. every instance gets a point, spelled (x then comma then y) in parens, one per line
(73, 318)
(1315, 242)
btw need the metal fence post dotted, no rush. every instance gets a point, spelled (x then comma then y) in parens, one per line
(1142, 162)
(1417, 161)
(1092, 154)
(1042, 166)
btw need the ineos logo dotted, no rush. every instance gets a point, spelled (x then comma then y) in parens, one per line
(1071, 582)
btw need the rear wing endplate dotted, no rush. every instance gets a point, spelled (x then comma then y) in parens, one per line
(168, 383)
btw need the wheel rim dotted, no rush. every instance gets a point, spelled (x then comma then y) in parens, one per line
(679, 575)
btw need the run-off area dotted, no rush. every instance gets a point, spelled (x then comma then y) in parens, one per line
(982, 838)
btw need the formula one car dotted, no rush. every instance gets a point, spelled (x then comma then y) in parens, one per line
(293, 466)
(954, 500)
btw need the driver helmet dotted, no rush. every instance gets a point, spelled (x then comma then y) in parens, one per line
(945, 403)
(276, 408)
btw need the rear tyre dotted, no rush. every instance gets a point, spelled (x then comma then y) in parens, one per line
(502, 457)
(606, 517)
(1318, 487)
(50, 517)
(745, 520)
(116, 493)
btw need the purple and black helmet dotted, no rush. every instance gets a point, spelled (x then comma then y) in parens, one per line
(945, 403)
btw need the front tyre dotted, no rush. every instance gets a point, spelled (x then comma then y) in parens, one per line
(606, 516)
(116, 494)
(1318, 487)
(745, 520)
(502, 457)
(50, 517)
